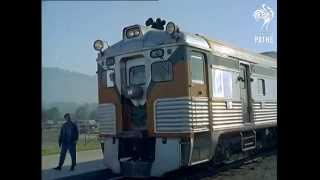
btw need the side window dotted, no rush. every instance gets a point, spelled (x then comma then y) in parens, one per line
(261, 87)
(197, 68)
(161, 71)
(222, 84)
(110, 77)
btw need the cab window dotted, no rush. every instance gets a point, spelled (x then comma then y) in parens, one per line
(137, 75)
(110, 78)
(161, 71)
(197, 68)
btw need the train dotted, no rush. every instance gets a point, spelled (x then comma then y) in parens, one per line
(170, 99)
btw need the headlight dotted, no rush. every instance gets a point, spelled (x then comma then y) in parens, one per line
(136, 32)
(171, 27)
(98, 45)
(130, 33)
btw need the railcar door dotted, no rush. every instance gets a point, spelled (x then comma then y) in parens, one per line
(199, 91)
(198, 75)
(244, 80)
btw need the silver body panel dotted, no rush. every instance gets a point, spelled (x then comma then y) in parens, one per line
(183, 114)
(111, 154)
(167, 156)
(265, 112)
(106, 116)
(224, 117)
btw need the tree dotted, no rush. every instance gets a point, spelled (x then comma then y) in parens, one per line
(82, 112)
(53, 114)
(93, 115)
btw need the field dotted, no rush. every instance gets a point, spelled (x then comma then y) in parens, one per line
(87, 141)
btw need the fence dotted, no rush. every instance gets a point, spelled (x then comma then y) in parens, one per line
(88, 138)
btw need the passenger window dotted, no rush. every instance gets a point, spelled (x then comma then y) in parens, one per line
(197, 68)
(222, 84)
(137, 75)
(261, 87)
(161, 71)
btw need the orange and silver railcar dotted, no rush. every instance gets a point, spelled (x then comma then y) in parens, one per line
(170, 99)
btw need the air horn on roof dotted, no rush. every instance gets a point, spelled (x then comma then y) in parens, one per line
(158, 24)
(171, 28)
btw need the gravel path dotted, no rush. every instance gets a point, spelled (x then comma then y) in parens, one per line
(262, 169)
(87, 161)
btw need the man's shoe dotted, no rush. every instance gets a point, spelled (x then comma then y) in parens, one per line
(57, 168)
(72, 168)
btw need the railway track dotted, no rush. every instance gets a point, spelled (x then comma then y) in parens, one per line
(209, 170)
(200, 171)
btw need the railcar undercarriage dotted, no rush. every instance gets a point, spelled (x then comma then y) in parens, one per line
(235, 145)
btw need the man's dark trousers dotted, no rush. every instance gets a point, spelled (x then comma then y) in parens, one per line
(72, 150)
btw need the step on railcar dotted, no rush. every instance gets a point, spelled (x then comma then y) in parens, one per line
(170, 99)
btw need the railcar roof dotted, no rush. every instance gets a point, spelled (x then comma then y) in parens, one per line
(236, 52)
(153, 38)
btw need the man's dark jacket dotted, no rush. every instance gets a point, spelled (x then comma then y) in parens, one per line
(69, 133)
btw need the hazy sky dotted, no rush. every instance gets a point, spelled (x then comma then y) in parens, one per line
(69, 28)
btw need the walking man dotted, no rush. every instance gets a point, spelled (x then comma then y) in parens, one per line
(67, 141)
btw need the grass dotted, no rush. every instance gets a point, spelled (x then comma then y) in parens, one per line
(92, 145)
(50, 142)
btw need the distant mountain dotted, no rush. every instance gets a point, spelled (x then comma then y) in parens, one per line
(69, 88)
(62, 106)
(272, 54)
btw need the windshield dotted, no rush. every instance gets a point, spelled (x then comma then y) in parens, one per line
(161, 71)
(137, 75)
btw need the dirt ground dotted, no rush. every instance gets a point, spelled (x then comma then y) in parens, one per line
(262, 169)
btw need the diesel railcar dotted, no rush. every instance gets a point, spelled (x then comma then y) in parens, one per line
(170, 99)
